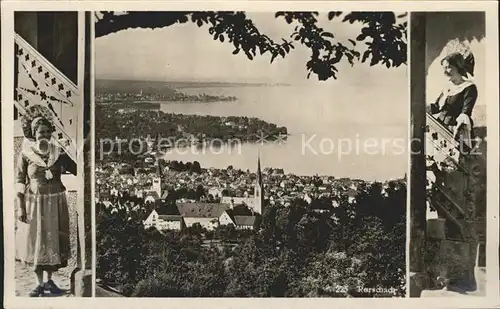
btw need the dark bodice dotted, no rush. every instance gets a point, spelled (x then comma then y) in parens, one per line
(460, 103)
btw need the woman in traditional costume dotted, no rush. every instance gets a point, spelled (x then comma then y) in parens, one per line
(43, 236)
(453, 109)
(455, 103)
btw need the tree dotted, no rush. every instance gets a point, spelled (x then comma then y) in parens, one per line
(383, 33)
(195, 230)
(196, 167)
(200, 192)
(296, 252)
(331, 274)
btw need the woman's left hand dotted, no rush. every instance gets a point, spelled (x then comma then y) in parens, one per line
(456, 131)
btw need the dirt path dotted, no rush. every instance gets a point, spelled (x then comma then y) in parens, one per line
(25, 282)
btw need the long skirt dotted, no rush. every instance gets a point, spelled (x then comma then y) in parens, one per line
(44, 241)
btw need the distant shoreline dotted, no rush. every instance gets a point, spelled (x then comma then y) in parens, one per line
(153, 105)
(175, 102)
(191, 84)
(131, 105)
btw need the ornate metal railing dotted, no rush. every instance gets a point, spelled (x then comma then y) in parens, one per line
(38, 82)
(454, 176)
(456, 179)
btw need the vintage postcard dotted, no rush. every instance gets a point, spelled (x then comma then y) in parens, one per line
(250, 154)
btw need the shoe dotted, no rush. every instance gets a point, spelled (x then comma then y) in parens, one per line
(37, 292)
(52, 287)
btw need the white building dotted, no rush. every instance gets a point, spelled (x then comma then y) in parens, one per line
(162, 220)
(206, 214)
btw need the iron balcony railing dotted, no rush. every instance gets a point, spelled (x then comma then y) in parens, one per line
(451, 177)
(39, 82)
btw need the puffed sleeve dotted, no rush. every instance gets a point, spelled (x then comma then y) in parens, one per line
(21, 172)
(470, 97)
(67, 163)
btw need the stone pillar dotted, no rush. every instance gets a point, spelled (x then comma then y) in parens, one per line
(435, 251)
(436, 228)
(418, 164)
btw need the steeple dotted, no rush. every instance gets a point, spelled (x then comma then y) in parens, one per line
(259, 172)
(259, 189)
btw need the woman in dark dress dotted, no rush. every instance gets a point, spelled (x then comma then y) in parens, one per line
(453, 109)
(455, 103)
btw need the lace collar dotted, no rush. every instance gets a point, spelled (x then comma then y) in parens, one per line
(29, 149)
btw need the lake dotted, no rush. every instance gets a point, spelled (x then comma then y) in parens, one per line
(347, 131)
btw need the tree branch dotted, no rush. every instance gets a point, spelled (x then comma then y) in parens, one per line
(383, 35)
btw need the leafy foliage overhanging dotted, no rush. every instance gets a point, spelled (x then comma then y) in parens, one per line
(383, 33)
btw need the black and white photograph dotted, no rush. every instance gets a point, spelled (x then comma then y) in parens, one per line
(251, 154)
(51, 133)
(448, 175)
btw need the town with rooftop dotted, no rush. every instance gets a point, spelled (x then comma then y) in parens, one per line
(171, 228)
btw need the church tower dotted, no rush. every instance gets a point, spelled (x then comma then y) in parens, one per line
(157, 186)
(259, 190)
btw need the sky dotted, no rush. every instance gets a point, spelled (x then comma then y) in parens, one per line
(187, 53)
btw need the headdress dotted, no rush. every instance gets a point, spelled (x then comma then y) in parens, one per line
(465, 64)
(462, 48)
(32, 116)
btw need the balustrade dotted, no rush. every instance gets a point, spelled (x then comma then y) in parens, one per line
(456, 180)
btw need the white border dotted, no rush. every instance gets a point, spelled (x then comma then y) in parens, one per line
(92, 149)
(409, 158)
(7, 84)
(491, 8)
(493, 111)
